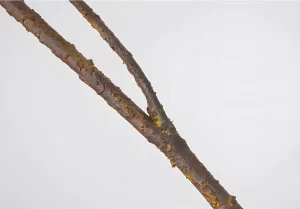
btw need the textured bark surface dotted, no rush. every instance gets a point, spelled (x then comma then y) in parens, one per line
(155, 109)
(85, 68)
(170, 143)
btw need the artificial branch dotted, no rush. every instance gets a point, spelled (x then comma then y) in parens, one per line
(155, 109)
(172, 145)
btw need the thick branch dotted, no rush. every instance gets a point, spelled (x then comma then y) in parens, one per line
(173, 146)
(155, 109)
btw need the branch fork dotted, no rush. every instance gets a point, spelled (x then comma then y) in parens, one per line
(156, 127)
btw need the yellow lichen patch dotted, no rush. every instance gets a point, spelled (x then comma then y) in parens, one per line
(229, 201)
(217, 204)
(173, 163)
(209, 194)
(156, 121)
(189, 177)
(166, 132)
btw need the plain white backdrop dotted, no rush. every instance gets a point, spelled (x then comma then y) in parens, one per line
(226, 73)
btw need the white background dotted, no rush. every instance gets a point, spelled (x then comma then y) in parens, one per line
(226, 73)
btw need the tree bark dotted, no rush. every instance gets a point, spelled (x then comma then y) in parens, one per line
(165, 138)
(155, 109)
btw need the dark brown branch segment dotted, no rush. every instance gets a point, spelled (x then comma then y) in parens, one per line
(86, 70)
(173, 146)
(155, 109)
(180, 155)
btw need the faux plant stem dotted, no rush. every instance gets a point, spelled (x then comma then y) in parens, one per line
(155, 109)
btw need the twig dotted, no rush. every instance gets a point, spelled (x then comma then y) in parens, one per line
(173, 146)
(155, 109)
(85, 68)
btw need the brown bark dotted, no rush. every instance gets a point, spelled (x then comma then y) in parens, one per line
(155, 109)
(85, 68)
(170, 143)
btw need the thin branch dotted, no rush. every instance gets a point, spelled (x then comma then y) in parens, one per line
(172, 145)
(155, 109)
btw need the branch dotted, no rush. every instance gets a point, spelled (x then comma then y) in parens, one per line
(172, 145)
(155, 109)
(85, 68)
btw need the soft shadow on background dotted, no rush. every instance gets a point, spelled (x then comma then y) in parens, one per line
(226, 73)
